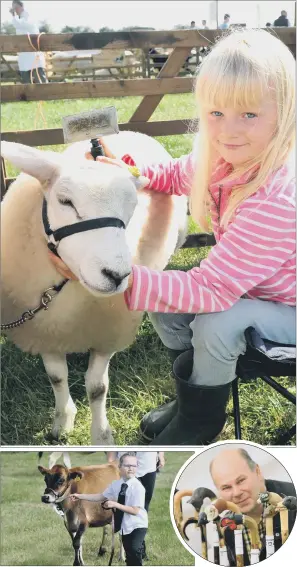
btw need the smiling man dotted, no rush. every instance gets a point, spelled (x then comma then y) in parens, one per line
(239, 479)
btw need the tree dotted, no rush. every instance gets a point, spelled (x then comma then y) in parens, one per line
(105, 29)
(45, 27)
(137, 28)
(7, 28)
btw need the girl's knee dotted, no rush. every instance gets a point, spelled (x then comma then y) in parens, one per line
(219, 331)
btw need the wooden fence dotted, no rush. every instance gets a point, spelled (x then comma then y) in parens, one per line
(167, 81)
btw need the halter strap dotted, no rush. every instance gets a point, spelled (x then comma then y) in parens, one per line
(54, 236)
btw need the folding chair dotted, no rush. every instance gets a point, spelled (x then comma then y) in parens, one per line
(262, 360)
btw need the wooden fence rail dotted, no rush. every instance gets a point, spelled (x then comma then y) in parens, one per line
(96, 89)
(181, 42)
(124, 40)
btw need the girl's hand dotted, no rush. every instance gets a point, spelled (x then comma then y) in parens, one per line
(107, 151)
(130, 280)
(111, 161)
(61, 267)
(74, 497)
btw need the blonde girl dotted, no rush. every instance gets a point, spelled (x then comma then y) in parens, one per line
(241, 181)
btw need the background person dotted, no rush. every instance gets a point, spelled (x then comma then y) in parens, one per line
(126, 496)
(282, 20)
(226, 22)
(28, 60)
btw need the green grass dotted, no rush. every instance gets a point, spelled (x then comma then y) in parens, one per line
(140, 377)
(33, 534)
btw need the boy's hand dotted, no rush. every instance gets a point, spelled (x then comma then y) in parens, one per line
(74, 497)
(110, 504)
(161, 461)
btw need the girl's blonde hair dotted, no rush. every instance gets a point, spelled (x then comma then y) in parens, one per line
(243, 69)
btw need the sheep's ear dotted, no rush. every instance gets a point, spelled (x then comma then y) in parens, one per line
(42, 165)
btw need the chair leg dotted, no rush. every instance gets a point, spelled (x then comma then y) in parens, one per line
(279, 388)
(236, 409)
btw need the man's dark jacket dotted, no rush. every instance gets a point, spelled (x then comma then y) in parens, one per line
(288, 489)
(281, 21)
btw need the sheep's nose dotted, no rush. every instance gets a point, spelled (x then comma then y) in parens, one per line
(45, 498)
(115, 276)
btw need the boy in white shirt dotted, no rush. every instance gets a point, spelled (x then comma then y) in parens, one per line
(126, 496)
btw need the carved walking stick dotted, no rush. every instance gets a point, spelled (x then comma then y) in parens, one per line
(252, 526)
(282, 508)
(270, 501)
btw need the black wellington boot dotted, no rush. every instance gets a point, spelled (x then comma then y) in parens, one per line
(156, 420)
(201, 410)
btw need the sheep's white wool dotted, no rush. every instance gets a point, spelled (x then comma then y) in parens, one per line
(90, 313)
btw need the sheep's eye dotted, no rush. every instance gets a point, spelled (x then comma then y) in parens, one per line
(66, 202)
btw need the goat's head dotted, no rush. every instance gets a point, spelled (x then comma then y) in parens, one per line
(57, 480)
(85, 190)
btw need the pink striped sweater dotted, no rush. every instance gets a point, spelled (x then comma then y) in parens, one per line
(254, 257)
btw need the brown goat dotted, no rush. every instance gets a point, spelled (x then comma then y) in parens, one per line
(78, 516)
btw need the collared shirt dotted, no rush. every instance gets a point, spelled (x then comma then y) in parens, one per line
(146, 461)
(135, 496)
(27, 60)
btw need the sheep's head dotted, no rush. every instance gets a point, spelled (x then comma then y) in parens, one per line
(85, 190)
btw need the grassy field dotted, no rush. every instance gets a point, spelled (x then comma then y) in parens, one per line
(140, 377)
(33, 534)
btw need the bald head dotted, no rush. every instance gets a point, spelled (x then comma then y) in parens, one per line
(238, 479)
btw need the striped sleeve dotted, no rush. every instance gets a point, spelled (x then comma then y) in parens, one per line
(259, 241)
(173, 178)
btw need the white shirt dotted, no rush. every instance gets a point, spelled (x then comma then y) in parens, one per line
(135, 496)
(33, 59)
(146, 461)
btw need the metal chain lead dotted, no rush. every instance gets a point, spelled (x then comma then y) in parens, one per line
(46, 298)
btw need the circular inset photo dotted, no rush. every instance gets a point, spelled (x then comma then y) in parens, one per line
(234, 504)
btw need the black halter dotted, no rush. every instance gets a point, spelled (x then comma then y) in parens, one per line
(57, 496)
(54, 236)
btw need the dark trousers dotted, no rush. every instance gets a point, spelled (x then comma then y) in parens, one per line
(26, 76)
(133, 543)
(148, 481)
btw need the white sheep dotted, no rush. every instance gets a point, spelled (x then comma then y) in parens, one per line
(89, 314)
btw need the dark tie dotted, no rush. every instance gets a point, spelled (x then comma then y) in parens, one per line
(118, 515)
